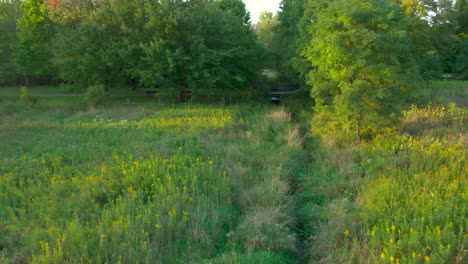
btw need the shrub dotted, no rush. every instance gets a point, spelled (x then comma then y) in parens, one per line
(95, 95)
(24, 95)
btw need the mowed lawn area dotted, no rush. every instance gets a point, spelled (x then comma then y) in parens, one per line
(63, 90)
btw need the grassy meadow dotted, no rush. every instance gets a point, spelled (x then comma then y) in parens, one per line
(398, 198)
(141, 183)
(131, 181)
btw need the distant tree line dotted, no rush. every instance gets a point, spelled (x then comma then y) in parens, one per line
(361, 60)
(173, 44)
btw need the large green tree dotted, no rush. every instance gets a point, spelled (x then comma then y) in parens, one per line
(266, 30)
(288, 39)
(9, 13)
(103, 46)
(71, 12)
(32, 52)
(434, 29)
(198, 46)
(174, 45)
(461, 60)
(362, 65)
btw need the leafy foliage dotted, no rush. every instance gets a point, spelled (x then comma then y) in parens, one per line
(95, 95)
(197, 47)
(9, 13)
(288, 39)
(174, 45)
(363, 65)
(236, 8)
(32, 52)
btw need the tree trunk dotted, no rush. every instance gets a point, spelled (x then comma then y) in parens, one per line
(133, 84)
(27, 81)
(180, 96)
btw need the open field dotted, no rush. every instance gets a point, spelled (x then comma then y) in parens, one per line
(143, 183)
(133, 181)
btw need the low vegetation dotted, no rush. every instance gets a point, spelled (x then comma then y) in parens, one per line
(127, 183)
(398, 198)
(96, 187)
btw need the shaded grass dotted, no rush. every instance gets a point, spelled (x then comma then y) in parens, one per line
(15, 90)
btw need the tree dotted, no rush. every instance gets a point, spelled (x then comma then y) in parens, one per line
(102, 47)
(266, 29)
(434, 30)
(197, 46)
(266, 34)
(236, 8)
(32, 53)
(9, 13)
(288, 39)
(71, 12)
(362, 62)
(171, 44)
(461, 65)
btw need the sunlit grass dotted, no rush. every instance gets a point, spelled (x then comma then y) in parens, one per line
(126, 183)
(400, 198)
(175, 119)
(95, 187)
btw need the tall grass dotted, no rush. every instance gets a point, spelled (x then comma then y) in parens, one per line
(141, 183)
(263, 157)
(97, 187)
(399, 198)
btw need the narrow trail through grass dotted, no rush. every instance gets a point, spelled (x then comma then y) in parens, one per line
(301, 172)
(183, 184)
(397, 198)
(263, 155)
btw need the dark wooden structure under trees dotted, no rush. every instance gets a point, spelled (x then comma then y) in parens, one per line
(276, 92)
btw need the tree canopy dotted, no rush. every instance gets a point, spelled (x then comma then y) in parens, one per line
(203, 45)
(362, 65)
(32, 51)
(10, 12)
(170, 44)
